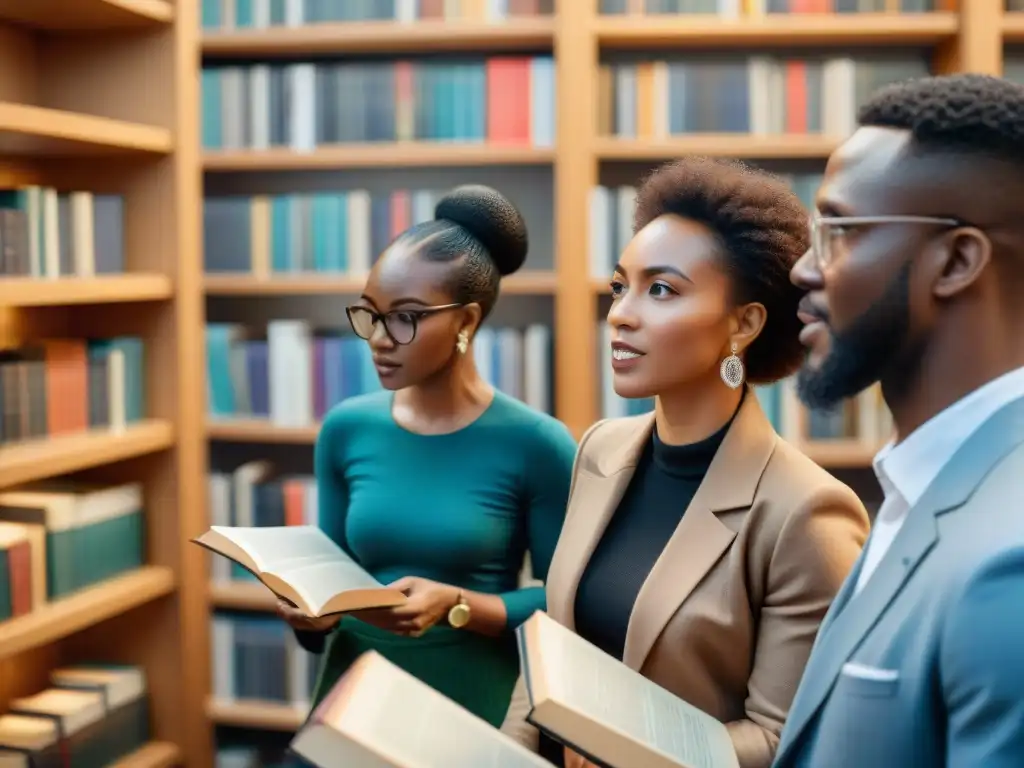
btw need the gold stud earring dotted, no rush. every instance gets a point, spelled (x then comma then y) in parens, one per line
(462, 344)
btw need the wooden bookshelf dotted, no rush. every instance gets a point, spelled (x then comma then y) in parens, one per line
(105, 289)
(102, 96)
(383, 155)
(259, 715)
(31, 130)
(85, 609)
(778, 31)
(156, 754)
(93, 15)
(382, 37)
(524, 283)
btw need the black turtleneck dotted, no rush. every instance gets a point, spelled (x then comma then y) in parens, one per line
(664, 484)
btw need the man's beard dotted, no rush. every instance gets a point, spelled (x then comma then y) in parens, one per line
(863, 353)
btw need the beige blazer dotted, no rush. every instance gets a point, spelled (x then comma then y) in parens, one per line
(727, 616)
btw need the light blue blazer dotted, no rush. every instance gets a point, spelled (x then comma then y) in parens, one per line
(925, 667)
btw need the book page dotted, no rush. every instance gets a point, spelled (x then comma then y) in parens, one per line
(584, 678)
(275, 547)
(397, 715)
(319, 581)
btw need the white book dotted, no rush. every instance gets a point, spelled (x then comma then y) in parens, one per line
(380, 716)
(600, 708)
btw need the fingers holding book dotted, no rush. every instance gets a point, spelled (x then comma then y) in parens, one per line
(296, 619)
(574, 760)
(428, 603)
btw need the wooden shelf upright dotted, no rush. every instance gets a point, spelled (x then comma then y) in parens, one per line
(102, 96)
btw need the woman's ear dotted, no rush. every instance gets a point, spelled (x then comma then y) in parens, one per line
(749, 321)
(472, 314)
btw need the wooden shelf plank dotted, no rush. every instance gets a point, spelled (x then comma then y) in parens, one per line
(225, 284)
(67, 15)
(156, 754)
(242, 596)
(694, 31)
(38, 459)
(739, 145)
(262, 715)
(74, 613)
(382, 37)
(260, 431)
(383, 155)
(29, 130)
(64, 291)
(1013, 27)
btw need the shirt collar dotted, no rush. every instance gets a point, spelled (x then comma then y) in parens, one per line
(910, 466)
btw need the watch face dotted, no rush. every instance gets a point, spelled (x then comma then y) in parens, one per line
(459, 615)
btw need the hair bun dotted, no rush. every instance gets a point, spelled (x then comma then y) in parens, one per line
(490, 218)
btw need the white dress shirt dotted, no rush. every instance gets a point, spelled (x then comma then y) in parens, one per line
(906, 469)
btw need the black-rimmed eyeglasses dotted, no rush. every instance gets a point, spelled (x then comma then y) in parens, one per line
(827, 230)
(399, 324)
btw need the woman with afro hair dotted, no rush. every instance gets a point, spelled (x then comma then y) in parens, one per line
(699, 547)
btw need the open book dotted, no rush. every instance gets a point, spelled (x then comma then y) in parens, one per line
(379, 716)
(605, 711)
(301, 564)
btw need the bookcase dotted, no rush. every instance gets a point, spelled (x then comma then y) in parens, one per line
(107, 97)
(98, 106)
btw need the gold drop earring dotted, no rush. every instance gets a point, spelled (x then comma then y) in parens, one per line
(462, 344)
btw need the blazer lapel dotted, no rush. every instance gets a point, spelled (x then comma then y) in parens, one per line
(839, 638)
(701, 539)
(595, 498)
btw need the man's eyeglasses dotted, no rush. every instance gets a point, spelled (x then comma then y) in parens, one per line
(827, 232)
(399, 324)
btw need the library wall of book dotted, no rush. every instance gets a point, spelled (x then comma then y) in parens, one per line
(192, 191)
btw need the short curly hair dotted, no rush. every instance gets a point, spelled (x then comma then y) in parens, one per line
(763, 230)
(967, 113)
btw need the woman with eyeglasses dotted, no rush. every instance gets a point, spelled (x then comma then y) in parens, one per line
(700, 549)
(439, 484)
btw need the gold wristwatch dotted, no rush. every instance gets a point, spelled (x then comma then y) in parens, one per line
(459, 614)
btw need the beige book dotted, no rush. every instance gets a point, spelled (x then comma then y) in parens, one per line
(602, 709)
(379, 716)
(301, 564)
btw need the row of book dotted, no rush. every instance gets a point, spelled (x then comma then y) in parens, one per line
(256, 494)
(507, 100)
(257, 658)
(340, 232)
(227, 15)
(49, 233)
(729, 93)
(58, 537)
(91, 715)
(294, 373)
(735, 8)
(611, 218)
(62, 386)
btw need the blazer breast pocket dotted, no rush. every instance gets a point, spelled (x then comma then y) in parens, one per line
(867, 682)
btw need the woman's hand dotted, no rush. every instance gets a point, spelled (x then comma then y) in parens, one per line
(296, 619)
(428, 603)
(572, 760)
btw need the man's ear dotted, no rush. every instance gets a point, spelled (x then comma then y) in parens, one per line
(961, 262)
